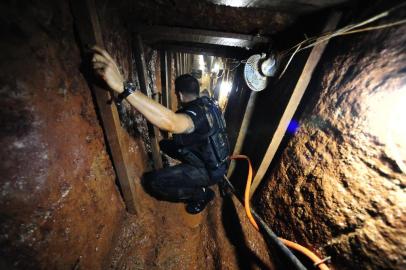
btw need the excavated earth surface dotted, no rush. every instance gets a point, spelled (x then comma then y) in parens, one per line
(60, 207)
(164, 236)
(339, 185)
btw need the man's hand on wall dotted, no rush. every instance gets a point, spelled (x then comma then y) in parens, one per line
(105, 66)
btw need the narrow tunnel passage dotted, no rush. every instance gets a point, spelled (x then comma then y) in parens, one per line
(313, 92)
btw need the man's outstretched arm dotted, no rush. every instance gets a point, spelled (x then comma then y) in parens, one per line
(165, 119)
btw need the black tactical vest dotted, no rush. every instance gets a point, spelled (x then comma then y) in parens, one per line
(211, 146)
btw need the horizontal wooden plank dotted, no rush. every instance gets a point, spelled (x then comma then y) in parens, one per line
(154, 34)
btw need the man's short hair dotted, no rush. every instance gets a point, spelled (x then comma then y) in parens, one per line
(187, 84)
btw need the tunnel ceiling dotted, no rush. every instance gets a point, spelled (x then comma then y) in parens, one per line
(234, 26)
(265, 17)
(243, 16)
(291, 6)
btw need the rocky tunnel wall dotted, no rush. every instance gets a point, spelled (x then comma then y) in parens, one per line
(338, 186)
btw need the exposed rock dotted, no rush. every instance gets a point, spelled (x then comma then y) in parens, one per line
(339, 187)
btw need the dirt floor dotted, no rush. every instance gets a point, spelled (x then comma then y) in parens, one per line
(164, 236)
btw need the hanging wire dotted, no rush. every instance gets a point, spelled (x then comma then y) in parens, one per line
(349, 29)
(290, 59)
(239, 63)
(376, 27)
(230, 70)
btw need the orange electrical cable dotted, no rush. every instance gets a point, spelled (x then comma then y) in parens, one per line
(247, 190)
(316, 260)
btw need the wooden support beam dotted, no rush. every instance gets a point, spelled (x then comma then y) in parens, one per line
(210, 50)
(190, 62)
(143, 79)
(88, 28)
(156, 34)
(294, 101)
(182, 63)
(178, 66)
(165, 79)
(169, 72)
(175, 57)
(249, 109)
(188, 68)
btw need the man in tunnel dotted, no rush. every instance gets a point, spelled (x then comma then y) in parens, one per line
(199, 138)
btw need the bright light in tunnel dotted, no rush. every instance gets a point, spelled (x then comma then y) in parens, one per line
(202, 64)
(386, 114)
(225, 89)
(215, 68)
(236, 3)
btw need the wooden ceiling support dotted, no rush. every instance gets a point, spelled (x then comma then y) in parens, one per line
(155, 34)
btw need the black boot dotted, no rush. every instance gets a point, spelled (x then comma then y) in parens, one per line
(198, 206)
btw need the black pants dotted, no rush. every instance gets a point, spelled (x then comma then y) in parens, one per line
(183, 182)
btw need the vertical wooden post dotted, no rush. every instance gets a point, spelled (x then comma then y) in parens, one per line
(294, 101)
(185, 63)
(177, 64)
(165, 80)
(88, 28)
(143, 79)
(169, 71)
(249, 109)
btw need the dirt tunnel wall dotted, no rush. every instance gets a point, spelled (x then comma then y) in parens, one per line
(60, 206)
(338, 184)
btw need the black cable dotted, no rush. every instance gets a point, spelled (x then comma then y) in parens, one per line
(270, 237)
